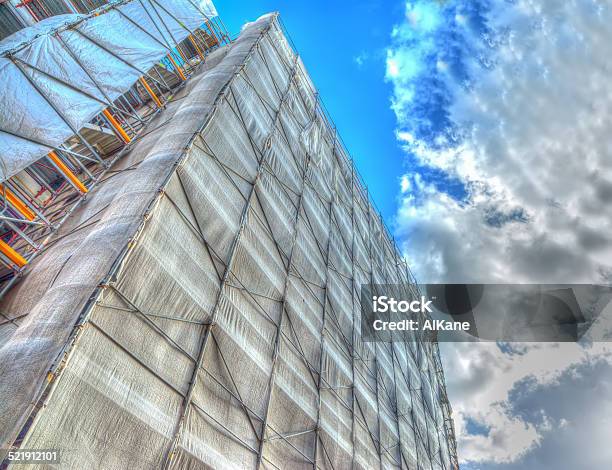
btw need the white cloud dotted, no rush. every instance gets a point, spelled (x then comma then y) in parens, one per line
(361, 59)
(536, 142)
(481, 378)
(519, 112)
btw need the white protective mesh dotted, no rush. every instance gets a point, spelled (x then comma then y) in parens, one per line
(58, 74)
(232, 248)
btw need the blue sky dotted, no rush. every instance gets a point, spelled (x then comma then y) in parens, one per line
(332, 38)
(482, 128)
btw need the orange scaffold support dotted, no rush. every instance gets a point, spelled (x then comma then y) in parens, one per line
(17, 203)
(12, 255)
(153, 96)
(177, 68)
(69, 175)
(113, 122)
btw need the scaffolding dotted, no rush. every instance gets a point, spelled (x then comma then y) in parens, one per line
(206, 296)
(77, 89)
(18, 14)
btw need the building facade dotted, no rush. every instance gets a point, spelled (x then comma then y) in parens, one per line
(201, 307)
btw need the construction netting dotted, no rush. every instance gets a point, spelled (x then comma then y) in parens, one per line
(58, 74)
(201, 309)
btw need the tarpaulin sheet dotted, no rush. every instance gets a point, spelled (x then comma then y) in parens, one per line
(226, 334)
(58, 74)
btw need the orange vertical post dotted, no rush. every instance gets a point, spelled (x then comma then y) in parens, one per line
(113, 122)
(212, 30)
(178, 69)
(67, 173)
(150, 92)
(195, 44)
(17, 203)
(11, 254)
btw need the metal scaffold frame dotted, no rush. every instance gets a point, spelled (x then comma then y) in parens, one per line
(38, 199)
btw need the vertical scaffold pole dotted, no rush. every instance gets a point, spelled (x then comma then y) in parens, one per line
(17, 203)
(12, 255)
(195, 45)
(66, 173)
(176, 67)
(150, 91)
(116, 126)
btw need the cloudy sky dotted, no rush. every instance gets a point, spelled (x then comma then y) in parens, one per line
(504, 112)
